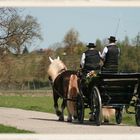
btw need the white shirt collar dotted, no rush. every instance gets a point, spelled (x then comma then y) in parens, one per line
(112, 44)
(91, 48)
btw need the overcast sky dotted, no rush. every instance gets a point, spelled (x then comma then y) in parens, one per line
(90, 22)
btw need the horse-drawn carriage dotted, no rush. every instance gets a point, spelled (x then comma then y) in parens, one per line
(111, 90)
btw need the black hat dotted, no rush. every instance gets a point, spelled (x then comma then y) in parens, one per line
(91, 45)
(112, 38)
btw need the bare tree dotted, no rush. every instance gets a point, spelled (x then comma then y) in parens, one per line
(16, 32)
(71, 39)
(22, 32)
(5, 15)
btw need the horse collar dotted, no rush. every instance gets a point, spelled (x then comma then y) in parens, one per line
(59, 73)
(62, 70)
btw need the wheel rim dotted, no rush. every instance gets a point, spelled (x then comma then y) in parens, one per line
(118, 115)
(137, 115)
(97, 105)
(80, 109)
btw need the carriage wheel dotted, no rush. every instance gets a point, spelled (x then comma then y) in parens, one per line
(137, 115)
(80, 108)
(118, 115)
(96, 105)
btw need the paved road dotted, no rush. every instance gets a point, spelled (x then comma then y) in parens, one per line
(46, 123)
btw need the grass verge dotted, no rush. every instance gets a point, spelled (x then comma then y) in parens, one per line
(9, 129)
(45, 104)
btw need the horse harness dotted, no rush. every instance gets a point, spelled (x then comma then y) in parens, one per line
(53, 87)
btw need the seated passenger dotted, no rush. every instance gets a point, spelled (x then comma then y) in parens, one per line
(110, 56)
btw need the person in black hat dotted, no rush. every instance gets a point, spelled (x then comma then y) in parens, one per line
(90, 59)
(110, 56)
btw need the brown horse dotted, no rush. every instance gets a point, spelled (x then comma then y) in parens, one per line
(65, 86)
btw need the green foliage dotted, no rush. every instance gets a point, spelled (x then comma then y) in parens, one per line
(129, 59)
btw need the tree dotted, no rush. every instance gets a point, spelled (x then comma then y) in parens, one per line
(23, 32)
(44, 63)
(99, 44)
(5, 15)
(25, 50)
(71, 39)
(136, 40)
(16, 32)
(126, 41)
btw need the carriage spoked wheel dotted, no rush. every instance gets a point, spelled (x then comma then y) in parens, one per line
(118, 115)
(96, 105)
(80, 108)
(137, 115)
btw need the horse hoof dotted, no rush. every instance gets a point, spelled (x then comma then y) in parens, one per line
(61, 118)
(69, 120)
(91, 118)
(106, 121)
(58, 113)
(75, 117)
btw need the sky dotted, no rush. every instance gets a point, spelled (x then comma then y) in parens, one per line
(91, 22)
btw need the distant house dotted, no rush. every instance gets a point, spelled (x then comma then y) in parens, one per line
(39, 51)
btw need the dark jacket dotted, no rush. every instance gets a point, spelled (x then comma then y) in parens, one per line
(111, 59)
(92, 60)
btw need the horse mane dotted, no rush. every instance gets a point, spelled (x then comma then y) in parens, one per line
(55, 68)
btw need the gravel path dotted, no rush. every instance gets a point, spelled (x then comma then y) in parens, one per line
(46, 123)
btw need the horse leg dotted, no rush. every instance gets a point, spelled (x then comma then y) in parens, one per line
(61, 117)
(58, 112)
(69, 119)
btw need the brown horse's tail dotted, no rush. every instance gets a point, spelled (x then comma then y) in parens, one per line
(73, 91)
(73, 85)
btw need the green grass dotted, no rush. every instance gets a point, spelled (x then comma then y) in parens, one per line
(9, 129)
(45, 104)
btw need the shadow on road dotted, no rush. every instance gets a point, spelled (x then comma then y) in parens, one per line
(75, 122)
(45, 119)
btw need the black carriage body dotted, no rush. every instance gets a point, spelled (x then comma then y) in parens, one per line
(117, 88)
(114, 90)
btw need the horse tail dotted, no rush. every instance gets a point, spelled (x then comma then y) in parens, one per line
(73, 91)
(73, 85)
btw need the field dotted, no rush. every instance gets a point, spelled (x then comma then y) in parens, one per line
(45, 104)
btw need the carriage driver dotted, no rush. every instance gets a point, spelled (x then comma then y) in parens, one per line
(110, 56)
(90, 59)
